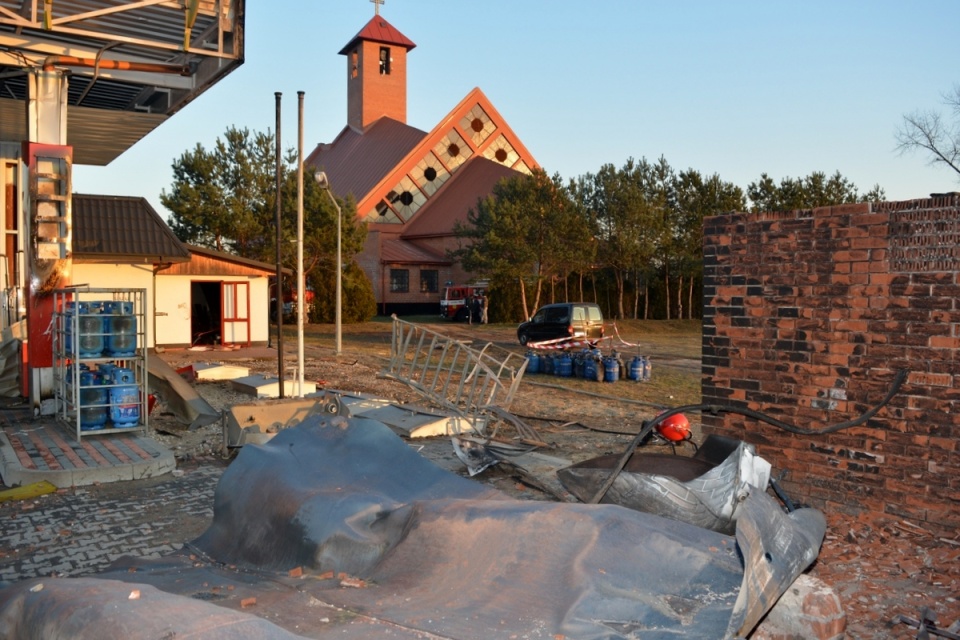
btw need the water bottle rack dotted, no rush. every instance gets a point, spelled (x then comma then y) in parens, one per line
(100, 360)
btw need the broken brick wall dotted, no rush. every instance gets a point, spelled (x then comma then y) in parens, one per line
(808, 315)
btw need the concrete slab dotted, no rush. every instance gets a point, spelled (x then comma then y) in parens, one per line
(219, 371)
(261, 386)
(181, 398)
(44, 455)
(416, 423)
(258, 422)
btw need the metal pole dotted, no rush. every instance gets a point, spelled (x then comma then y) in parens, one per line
(301, 298)
(279, 290)
(321, 178)
(339, 343)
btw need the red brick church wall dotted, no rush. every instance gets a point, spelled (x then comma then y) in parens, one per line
(808, 315)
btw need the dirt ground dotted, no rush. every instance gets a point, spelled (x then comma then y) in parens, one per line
(882, 568)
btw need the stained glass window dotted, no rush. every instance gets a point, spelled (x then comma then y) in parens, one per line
(429, 174)
(406, 198)
(523, 168)
(501, 151)
(382, 214)
(477, 125)
(453, 151)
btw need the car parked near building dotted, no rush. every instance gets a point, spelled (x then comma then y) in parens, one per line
(562, 320)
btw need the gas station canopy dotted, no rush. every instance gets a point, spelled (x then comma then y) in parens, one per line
(130, 65)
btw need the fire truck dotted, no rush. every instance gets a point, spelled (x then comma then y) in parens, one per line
(457, 299)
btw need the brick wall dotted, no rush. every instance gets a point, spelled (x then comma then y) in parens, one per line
(371, 94)
(808, 315)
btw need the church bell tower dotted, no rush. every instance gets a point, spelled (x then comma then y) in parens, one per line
(376, 73)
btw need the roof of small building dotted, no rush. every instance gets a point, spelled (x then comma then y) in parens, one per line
(394, 251)
(477, 177)
(123, 229)
(379, 30)
(223, 256)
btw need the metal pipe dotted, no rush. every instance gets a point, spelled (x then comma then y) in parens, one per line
(119, 65)
(279, 290)
(338, 343)
(301, 298)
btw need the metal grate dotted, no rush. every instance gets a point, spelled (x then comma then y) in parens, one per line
(474, 383)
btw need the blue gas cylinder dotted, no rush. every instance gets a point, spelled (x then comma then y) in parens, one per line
(93, 402)
(611, 369)
(533, 362)
(547, 364)
(637, 367)
(124, 399)
(89, 327)
(565, 366)
(120, 327)
(590, 368)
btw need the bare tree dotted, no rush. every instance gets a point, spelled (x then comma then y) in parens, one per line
(931, 132)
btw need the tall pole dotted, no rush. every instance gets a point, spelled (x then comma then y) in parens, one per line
(321, 178)
(339, 343)
(279, 290)
(301, 298)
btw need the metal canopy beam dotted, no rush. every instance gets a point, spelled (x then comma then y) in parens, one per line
(203, 38)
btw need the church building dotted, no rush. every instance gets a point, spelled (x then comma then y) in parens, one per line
(411, 185)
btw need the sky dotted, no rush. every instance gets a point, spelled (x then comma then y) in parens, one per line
(733, 88)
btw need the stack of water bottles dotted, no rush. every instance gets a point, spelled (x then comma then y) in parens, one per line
(109, 396)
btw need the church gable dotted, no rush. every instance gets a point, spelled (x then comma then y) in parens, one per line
(474, 128)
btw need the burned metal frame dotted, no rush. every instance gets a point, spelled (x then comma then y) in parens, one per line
(467, 381)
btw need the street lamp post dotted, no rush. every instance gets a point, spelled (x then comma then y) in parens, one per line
(324, 184)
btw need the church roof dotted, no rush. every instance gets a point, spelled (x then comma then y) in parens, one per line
(379, 30)
(460, 194)
(356, 161)
(401, 252)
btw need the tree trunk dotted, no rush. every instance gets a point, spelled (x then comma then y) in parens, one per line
(523, 298)
(666, 285)
(680, 297)
(690, 299)
(646, 302)
(620, 286)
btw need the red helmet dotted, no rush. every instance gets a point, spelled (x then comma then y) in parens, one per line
(676, 428)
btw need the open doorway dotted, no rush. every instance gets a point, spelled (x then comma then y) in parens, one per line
(206, 313)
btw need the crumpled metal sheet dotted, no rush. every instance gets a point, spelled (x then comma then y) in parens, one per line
(97, 609)
(691, 490)
(387, 540)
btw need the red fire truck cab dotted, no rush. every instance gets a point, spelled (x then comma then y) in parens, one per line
(458, 298)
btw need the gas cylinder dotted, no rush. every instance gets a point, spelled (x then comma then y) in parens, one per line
(611, 369)
(533, 362)
(637, 367)
(564, 365)
(124, 399)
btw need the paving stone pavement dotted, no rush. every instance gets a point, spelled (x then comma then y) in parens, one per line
(82, 530)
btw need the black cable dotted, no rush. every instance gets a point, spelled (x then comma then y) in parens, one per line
(750, 413)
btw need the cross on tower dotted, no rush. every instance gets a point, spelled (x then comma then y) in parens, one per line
(376, 6)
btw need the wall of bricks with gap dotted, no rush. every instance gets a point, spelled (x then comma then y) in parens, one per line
(808, 316)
